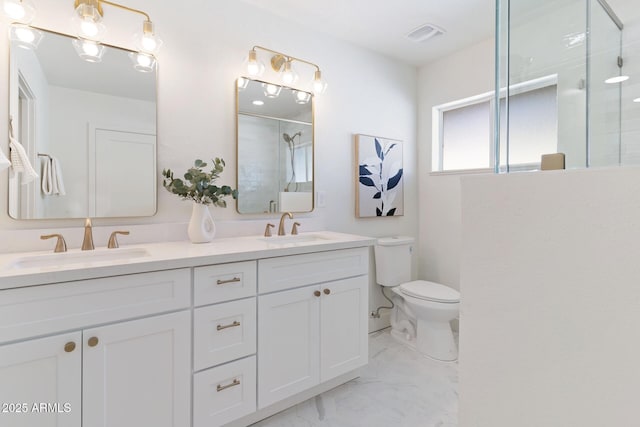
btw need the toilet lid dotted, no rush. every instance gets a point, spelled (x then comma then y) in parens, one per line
(430, 291)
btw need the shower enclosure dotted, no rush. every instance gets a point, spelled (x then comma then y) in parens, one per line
(560, 85)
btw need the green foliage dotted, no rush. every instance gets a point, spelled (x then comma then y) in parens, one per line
(198, 185)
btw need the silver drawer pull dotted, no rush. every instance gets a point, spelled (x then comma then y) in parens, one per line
(224, 387)
(223, 282)
(233, 325)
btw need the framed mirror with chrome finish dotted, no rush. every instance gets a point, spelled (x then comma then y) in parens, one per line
(275, 142)
(87, 129)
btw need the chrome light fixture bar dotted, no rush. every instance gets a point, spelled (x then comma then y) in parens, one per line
(283, 64)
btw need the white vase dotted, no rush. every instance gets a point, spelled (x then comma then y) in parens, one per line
(201, 227)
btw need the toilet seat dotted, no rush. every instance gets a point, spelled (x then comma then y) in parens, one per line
(430, 291)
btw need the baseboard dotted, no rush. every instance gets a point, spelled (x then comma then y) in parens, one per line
(294, 400)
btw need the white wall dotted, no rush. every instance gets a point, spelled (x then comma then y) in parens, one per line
(550, 299)
(466, 73)
(200, 60)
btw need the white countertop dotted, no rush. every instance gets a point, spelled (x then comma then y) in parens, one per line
(164, 256)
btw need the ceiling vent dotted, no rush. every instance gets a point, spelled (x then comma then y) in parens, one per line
(425, 32)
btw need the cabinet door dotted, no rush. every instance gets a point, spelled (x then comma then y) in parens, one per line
(288, 343)
(343, 326)
(138, 373)
(40, 382)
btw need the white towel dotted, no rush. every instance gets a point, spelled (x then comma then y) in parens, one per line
(56, 177)
(4, 162)
(20, 161)
(52, 183)
(47, 184)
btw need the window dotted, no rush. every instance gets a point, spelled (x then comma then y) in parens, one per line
(463, 131)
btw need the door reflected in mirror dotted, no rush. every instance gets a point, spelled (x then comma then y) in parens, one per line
(275, 148)
(88, 130)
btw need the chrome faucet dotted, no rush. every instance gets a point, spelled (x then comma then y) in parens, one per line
(87, 242)
(281, 231)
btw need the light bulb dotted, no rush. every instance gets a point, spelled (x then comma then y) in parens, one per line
(25, 36)
(319, 86)
(242, 83)
(89, 50)
(147, 41)
(254, 67)
(637, 100)
(143, 62)
(301, 97)
(289, 75)
(271, 90)
(89, 28)
(87, 22)
(19, 11)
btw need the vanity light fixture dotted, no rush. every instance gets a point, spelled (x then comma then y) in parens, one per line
(283, 64)
(90, 29)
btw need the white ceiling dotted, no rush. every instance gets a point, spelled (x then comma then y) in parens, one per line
(381, 25)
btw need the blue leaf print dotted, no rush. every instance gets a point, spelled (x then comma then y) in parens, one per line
(389, 149)
(394, 180)
(364, 170)
(379, 149)
(391, 212)
(367, 181)
(378, 195)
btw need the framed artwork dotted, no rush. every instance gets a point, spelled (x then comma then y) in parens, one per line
(379, 179)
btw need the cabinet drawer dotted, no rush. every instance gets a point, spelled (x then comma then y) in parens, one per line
(224, 332)
(225, 393)
(224, 282)
(276, 274)
(39, 310)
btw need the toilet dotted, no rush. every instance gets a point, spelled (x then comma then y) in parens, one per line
(422, 310)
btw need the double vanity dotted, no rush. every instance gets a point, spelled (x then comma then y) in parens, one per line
(176, 334)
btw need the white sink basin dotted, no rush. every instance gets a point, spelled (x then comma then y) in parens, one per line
(299, 238)
(84, 257)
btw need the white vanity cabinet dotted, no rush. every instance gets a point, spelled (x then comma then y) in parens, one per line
(45, 370)
(224, 343)
(191, 336)
(124, 373)
(315, 332)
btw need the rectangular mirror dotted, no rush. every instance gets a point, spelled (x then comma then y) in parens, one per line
(97, 120)
(275, 148)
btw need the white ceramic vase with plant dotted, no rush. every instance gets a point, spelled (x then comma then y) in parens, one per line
(199, 187)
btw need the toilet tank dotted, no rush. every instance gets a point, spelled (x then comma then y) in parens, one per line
(393, 260)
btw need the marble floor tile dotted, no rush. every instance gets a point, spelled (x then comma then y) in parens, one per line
(398, 388)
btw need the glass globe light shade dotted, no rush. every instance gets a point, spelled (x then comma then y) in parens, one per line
(19, 11)
(89, 50)
(25, 36)
(253, 66)
(242, 83)
(147, 41)
(87, 22)
(289, 75)
(319, 86)
(271, 90)
(143, 62)
(301, 97)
